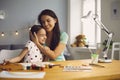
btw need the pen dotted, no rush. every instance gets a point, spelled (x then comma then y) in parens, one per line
(97, 65)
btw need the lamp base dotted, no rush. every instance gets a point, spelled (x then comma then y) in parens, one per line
(105, 60)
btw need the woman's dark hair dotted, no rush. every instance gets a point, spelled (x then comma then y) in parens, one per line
(56, 31)
(35, 28)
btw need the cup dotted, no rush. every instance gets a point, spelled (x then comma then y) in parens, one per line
(94, 58)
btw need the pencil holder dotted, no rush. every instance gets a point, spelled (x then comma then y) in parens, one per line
(94, 58)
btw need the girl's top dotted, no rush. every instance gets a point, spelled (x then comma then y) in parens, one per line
(34, 54)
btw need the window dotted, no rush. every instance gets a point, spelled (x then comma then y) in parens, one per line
(77, 9)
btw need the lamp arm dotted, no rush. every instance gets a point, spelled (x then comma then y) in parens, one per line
(102, 26)
(109, 34)
(105, 50)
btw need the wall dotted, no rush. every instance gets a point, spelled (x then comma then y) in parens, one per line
(109, 20)
(21, 14)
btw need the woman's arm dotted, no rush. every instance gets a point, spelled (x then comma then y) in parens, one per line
(18, 58)
(52, 54)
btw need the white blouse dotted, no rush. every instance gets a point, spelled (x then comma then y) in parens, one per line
(34, 54)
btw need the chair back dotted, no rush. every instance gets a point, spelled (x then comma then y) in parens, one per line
(115, 49)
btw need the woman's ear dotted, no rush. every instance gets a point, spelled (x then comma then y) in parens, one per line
(55, 20)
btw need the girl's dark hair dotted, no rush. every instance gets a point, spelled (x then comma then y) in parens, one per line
(56, 31)
(35, 28)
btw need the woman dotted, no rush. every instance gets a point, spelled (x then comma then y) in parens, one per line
(56, 40)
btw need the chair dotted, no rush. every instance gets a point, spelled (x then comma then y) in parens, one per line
(67, 53)
(115, 47)
(8, 54)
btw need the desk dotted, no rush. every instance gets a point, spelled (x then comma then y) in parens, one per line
(110, 72)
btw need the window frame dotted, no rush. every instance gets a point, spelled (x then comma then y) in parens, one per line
(76, 6)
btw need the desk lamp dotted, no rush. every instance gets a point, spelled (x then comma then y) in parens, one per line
(107, 32)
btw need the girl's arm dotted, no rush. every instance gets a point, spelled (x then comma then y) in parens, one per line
(18, 58)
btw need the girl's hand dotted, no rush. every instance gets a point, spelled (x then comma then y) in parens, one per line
(46, 49)
(6, 62)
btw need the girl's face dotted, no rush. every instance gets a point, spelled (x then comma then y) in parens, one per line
(48, 22)
(41, 34)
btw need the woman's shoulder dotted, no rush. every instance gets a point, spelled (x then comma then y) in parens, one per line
(64, 37)
(63, 34)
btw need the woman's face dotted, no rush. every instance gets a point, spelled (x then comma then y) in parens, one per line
(41, 34)
(48, 22)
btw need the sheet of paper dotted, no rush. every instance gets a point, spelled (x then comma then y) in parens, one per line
(6, 74)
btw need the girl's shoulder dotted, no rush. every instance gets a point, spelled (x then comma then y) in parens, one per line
(29, 43)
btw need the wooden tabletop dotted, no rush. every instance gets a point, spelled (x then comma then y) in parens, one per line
(102, 71)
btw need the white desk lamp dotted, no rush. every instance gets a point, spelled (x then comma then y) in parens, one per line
(108, 33)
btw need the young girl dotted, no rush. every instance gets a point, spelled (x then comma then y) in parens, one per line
(31, 52)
